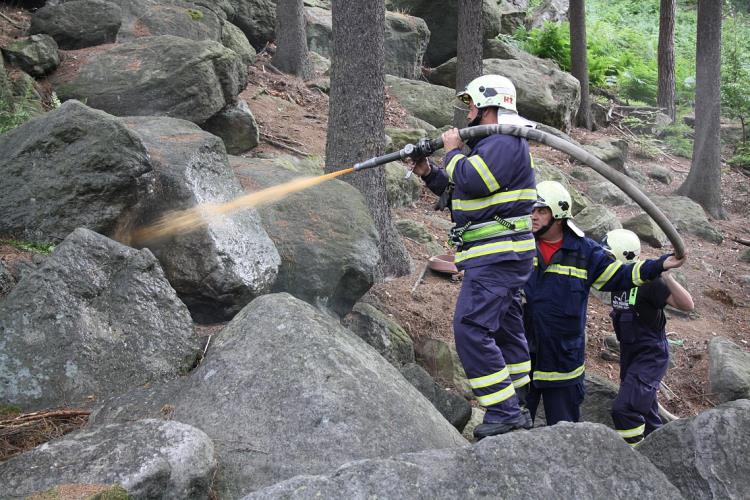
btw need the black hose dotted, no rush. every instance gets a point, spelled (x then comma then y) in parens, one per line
(618, 179)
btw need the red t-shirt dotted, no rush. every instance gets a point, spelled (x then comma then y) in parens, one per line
(548, 249)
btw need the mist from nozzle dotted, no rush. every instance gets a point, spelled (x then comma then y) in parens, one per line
(185, 221)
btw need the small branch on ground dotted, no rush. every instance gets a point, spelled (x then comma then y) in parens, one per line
(11, 21)
(419, 278)
(742, 241)
(275, 141)
(29, 430)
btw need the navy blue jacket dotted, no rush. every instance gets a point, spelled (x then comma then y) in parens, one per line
(496, 179)
(556, 300)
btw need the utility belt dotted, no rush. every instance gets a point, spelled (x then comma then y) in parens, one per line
(471, 232)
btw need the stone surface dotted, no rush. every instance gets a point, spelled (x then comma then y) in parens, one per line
(381, 332)
(453, 407)
(728, 370)
(236, 126)
(76, 24)
(36, 55)
(596, 221)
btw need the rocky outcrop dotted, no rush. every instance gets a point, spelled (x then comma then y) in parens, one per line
(583, 461)
(728, 370)
(325, 236)
(159, 75)
(688, 216)
(453, 407)
(285, 390)
(596, 221)
(77, 24)
(431, 103)
(36, 55)
(381, 332)
(705, 456)
(95, 319)
(236, 126)
(149, 458)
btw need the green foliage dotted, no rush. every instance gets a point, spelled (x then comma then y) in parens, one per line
(9, 411)
(44, 248)
(735, 71)
(16, 111)
(195, 14)
(741, 156)
(678, 138)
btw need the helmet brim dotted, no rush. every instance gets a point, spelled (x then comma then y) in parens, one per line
(577, 230)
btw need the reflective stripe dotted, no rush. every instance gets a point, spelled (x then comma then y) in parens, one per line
(484, 172)
(452, 165)
(556, 376)
(523, 367)
(495, 199)
(633, 445)
(634, 432)
(607, 274)
(496, 397)
(636, 275)
(531, 159)
(496, 247)
(568, 271)
(632, 296)
(488, 380)
(494, 229)
(536, 262)
(521, 381)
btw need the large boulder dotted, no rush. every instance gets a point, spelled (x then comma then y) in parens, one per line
(431, 103)
(325, 235)
(95, 319)
(36, 55)
(77, 24)
(223, 262)
(596, 221)
(613, 152)
(72, 167)
(149, 458)
(453, 407)
(440, 16)
(728, 370)
(285, 390)
(185, 19)
(545, 93)
(160, 75)
(381, 332)
(705, 456)
(583, 461)
(545, 171)
(646, 229)
(688, 216)
(233, 38)
(555, 11)
(405, 42)
(236, 126)
(256, 18)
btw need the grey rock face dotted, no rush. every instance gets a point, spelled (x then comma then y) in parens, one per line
(728, 370)
(660, 174)
(149, 458)
(647, 230)
(77, 24)
(36, 55)
(705, 456)
(608, 194)
(431, 103)
(96, 318)
(325, 236)
(382, 333)
(72, 167)
(256, 18)
(159, 75)
(285, 390)
(236, 126)
(612, 152)
(237, 260)
(233, 38)
(583, 461)
(191, 20)
(453, 407)
(550, 10)
(688, 216)
(596, 221)
(402, 192)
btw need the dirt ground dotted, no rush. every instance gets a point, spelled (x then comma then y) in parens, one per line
(295, 116)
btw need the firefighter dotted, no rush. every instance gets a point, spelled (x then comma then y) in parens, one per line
(490, 192)
(639, 323)
(566, 265)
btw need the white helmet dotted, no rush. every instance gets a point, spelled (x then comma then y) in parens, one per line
(552, 195)
(490, 90)
(624, 245)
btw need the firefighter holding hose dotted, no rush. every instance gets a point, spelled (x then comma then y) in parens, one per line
(490, 192)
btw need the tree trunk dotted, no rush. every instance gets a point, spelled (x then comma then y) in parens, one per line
(578, 59)
(469, 49)
(703, 183)
(291, 39)
(665, 95)
(356, 117)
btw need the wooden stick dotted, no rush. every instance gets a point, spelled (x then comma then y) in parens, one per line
(419, 278)
(742, 241)
(268, 139)
(11, 21)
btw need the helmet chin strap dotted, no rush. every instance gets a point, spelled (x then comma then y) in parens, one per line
(540, 232)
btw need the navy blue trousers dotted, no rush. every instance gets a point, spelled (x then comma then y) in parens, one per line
(560, 403)
(490, 339)
(635, 410)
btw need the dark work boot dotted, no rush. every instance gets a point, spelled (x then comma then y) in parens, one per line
(484, 430)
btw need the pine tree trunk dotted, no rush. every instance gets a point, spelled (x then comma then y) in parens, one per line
(703, 183)
(665, 97)
(469, 48)
(578, 59)
(356, 117)
(291, 39)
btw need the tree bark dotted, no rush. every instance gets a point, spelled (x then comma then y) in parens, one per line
(356, 118)
(703, 183)
(469, 50)
(665, 96)
(578, 59)
(291, 39)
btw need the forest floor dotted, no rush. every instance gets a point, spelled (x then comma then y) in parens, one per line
(293, 114)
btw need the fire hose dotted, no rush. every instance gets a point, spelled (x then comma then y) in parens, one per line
(426, 147)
